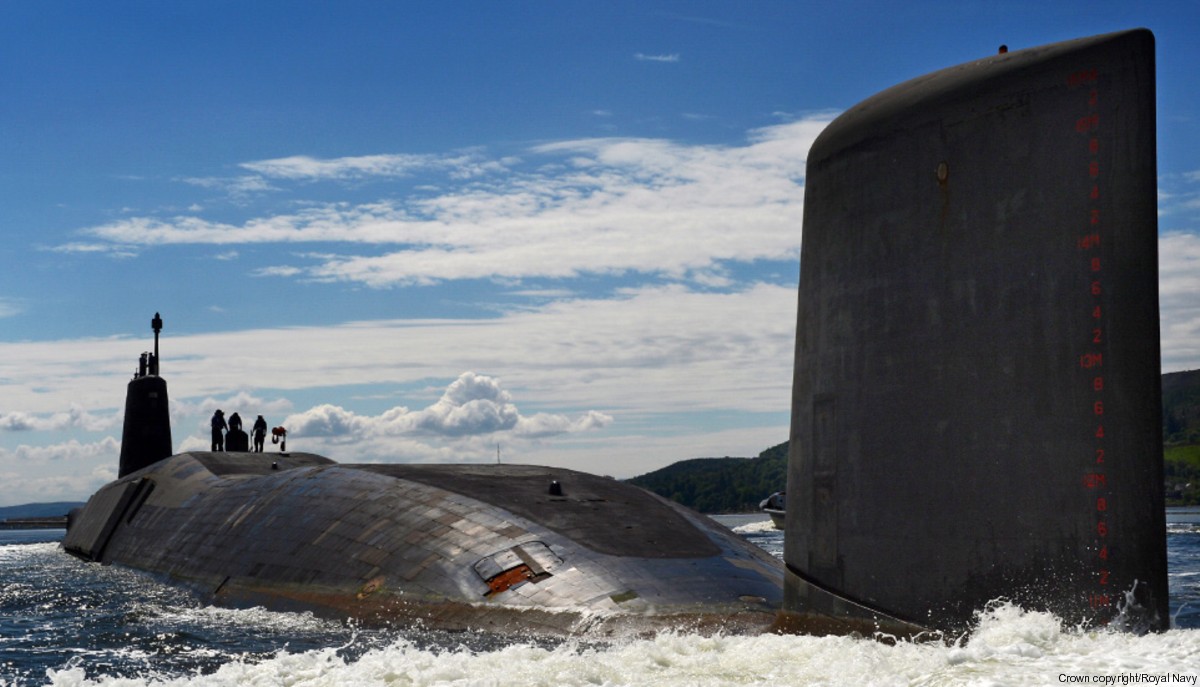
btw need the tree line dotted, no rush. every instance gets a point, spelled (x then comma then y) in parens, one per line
(720, 485)
(737, 485)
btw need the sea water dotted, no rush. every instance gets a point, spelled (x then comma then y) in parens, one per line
(65, 622)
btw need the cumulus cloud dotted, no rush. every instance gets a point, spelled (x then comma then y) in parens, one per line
(546, 425)
(328, 420)
(472, 405)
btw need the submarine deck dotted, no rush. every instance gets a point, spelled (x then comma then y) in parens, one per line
(601, 513)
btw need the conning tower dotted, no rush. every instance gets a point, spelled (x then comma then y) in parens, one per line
(146, 438)
(976, 403)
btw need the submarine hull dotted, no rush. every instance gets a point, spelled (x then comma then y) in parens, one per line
(492, 547)
(976, 403)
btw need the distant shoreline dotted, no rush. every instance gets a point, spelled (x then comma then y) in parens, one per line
(55, 523)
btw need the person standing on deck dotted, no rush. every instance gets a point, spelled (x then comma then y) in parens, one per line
(260, 433)
(218, 429)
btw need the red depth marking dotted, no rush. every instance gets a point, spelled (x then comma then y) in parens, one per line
(1082, 76)
(1096, 483)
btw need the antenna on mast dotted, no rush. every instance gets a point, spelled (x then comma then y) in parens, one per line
(155, 324)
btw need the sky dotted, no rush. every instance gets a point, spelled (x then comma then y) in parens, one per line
(563, 233)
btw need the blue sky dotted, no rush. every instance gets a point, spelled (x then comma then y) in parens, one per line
(419, 232)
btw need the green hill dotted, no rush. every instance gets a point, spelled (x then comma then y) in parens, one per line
(737, 485)
(1181, 437)
(38, 510)
(1181, 407)
(720, 485)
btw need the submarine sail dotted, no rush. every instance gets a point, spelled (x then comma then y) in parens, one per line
(976, 400)
(146, 436)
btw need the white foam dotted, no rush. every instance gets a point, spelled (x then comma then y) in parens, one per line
(759, 527)
(1009, 646)
(248, 618)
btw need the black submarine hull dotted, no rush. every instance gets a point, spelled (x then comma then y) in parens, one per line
(447, 546)
(976, 402)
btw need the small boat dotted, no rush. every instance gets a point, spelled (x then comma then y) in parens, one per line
(773, 506)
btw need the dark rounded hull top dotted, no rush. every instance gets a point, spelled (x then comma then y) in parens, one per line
(456, 546)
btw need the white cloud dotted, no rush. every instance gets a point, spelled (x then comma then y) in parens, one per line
(594, 206)
(277, 271)
(1179, 300)
(651, 351)
(235, 186)
(462, 165)
(543, 425)
(685, 213)
(80, 469)
(305, 167)
(1178, 200)
(74, 418)
(69, 452)
(10, 307)
(328, 421)
(111, 250)
(642, 57)
(242, 402)
(473, 416)
(472, 405)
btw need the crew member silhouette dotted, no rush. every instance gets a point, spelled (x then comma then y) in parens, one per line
(260, 433)
(218, 428)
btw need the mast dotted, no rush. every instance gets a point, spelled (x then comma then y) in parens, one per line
(146, 437)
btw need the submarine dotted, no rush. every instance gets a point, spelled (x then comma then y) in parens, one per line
(504, 548)
(975, 414)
